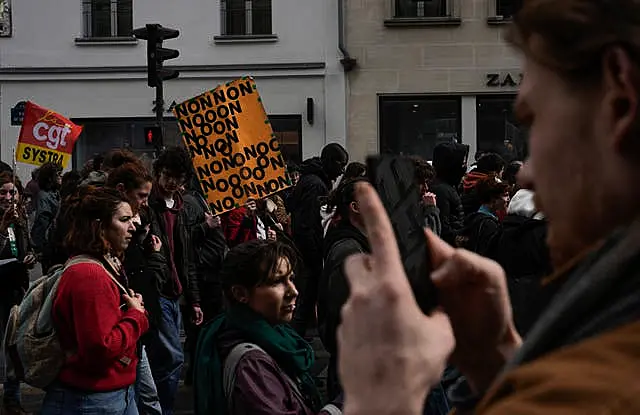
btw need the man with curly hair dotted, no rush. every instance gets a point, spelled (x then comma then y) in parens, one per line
(171, 171)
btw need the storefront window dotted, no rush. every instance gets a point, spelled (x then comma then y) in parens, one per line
(414, 125)
(102, 135)
(497, 128)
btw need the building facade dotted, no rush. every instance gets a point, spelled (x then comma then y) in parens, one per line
(78, 58)
(430, 71)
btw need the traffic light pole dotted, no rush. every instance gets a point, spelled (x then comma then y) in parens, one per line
(155, 35)
(159, 114)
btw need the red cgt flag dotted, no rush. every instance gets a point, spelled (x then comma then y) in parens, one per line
(46, 136)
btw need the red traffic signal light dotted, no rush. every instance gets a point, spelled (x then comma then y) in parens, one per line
(152, 135)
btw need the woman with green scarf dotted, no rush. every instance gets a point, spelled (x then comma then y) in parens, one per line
(248, 360)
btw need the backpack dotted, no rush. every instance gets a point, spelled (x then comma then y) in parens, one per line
(479, 233)
(31, 341)
(229, 372)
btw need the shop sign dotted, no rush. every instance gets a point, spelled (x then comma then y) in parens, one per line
(503, 80)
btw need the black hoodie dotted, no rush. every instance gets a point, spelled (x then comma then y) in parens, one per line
(307, 198)
(449, 163)
(340, 242)
(522, 251)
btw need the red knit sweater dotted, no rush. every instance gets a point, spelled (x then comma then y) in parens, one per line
(100, 335)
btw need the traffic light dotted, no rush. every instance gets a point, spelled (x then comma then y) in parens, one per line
(155, 34)
(152, 136)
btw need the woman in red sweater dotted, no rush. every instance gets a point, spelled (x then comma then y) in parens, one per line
(99, 320)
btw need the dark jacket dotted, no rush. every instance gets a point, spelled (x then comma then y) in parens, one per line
(54, 252)
(209, 244)
(14, 276)
(479, 233)
(306, 203)
(147, 272)
(46, 211)
(581, 356)
(341, 241)
(521, 249)
(184, 262)
(448, 161)
(432, 219)
(210, 248)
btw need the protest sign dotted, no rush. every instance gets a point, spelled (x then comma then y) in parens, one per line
(45, 137)
(235, 154)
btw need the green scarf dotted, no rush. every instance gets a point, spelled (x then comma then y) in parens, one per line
(292, 353)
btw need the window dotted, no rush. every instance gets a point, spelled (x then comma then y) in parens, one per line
(107, 18)
(5, 18)
(246, 17)
(423, 13)
(288, 129)
(497, 128)
(504, 9)
(421, 8)
(414, 125)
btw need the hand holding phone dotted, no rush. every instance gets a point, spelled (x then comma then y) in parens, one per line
(394, 179)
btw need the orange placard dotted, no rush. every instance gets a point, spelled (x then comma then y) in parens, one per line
(46, 136)
(235, 154)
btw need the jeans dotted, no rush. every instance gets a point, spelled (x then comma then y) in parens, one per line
(146, 392)
(165, 353)
(60, 400)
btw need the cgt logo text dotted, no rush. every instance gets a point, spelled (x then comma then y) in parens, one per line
(54, 136)
(39, 155)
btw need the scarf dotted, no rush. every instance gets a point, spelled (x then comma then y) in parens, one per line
(290, 351)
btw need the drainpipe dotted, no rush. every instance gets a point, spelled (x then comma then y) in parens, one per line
(348, 63)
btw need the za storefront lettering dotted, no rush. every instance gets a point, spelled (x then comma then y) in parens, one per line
(502, 80)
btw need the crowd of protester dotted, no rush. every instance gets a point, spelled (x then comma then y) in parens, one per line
(543, 251)
(147, 260)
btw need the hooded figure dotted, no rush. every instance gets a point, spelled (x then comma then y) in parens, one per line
(450, 162)
(316, 180)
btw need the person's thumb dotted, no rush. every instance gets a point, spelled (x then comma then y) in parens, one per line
(440, 320)
(439, 249)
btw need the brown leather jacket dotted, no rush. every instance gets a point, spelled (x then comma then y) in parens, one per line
(583, 355)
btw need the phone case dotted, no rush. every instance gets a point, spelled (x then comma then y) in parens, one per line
(394, 179)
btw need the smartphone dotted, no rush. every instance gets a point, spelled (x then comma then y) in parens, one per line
(394, 179)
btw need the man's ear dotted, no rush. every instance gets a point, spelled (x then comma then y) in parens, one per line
(621, 82)
(354, 206)
(240, 294)
(120, 187)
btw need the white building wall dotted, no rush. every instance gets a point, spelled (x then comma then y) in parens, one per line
(44, 34)
(42, 62)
